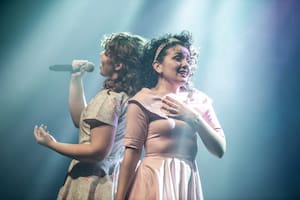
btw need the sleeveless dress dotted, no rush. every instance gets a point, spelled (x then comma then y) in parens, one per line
(86, 181)
(168, 170)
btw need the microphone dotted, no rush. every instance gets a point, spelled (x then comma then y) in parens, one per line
(88, 67)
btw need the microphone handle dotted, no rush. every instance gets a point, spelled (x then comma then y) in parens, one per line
(62, 68)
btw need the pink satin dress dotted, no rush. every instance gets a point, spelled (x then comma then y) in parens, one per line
(168, 169)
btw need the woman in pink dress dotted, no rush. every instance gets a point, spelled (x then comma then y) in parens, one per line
(101, 122)
(165, 119)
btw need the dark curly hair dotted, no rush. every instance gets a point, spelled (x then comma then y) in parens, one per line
(127, 49)
(150, 76)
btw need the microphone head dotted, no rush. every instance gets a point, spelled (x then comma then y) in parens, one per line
(89, 67)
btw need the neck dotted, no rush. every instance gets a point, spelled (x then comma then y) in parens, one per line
(114, 76)
(163, 88)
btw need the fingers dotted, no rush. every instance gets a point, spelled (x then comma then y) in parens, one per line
(43, 136)
(171, 106)
(42, 126)
(168, 109)
(78, 70)
(36, 131)
(78, 63)
(40, 131)
(35, 128)
(174, 108)
(38, 134)
(171, 102)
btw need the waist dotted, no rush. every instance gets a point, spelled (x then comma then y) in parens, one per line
(80, 169)
(101, 169)
(190, 158)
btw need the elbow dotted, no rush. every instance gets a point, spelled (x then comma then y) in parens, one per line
(99, 155)
(76, 123)
(95, 159)
(221, 150)
(93, 156)
(75, 118)
(98, 158)
(218, 148)
(220, 154)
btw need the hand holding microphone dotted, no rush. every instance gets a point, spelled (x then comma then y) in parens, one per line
(78, 66)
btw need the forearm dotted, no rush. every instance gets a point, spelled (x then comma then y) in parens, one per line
(77, 101)
(127, 170)
(81, 152)
(206, 123)
(213, 138)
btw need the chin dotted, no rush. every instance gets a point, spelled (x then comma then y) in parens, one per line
(101, 72)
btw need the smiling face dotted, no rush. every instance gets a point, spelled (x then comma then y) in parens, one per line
(175, 67)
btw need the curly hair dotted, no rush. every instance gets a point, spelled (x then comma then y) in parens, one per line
(127, 49)
(150, 76)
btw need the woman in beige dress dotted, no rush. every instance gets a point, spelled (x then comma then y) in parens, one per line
(166, 119)
(101, 122)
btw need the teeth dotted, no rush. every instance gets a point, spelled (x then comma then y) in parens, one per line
(183, 74)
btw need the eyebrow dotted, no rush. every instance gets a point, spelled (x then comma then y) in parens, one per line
(179, 52)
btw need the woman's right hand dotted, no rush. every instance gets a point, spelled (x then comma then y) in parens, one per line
(77, 64)
(175, 108)
(42, 136)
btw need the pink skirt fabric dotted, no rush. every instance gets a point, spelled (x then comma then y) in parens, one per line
(164, 178)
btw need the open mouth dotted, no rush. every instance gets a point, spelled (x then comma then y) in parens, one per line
(183, 72)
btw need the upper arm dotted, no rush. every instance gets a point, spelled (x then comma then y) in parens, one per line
(75, 111)
(102, 139)
(103, 117)
(136, 126)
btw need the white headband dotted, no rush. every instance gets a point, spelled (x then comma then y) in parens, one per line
(163, 45)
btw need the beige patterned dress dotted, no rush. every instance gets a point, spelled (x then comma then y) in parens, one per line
(168, 170)
(86, 181)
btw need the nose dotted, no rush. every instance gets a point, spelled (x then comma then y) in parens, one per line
(101, 54)
(185, 63)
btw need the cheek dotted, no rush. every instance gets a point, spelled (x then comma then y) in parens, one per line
(107, 70)
(104, 68)
(101, 71)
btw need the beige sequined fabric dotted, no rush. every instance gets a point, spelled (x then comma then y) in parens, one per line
(93, 181)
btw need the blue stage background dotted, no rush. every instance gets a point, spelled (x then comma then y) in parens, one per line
(248, 64)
